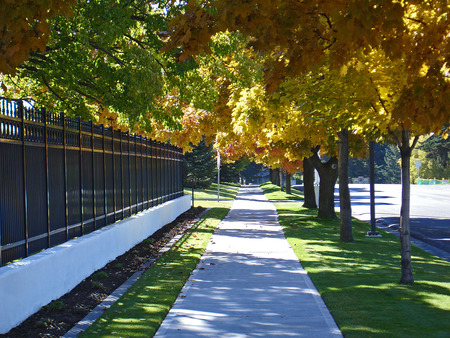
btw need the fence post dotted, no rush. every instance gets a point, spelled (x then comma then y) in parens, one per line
(47, 194)
(94, 191)
(66, 193)
(122, 192)
(81, 174)
(142, 174)
(129, 173)
(24, 172)
(114, 173)
(147, 171)
(136, 173)
(105, 204)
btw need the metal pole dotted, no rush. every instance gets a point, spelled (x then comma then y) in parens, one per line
(81, 174)
(105, 203)
(94, 190)
(47, 176)
(218, 176)
(66, 193)
(24, 172)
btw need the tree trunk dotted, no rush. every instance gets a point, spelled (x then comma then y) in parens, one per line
(288, 183)
(405, 234)
(308, 185)
(280, 171)
(328, 173)
(274, 176)
(345, 219)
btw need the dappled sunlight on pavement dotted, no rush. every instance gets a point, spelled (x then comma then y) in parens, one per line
(249, 283)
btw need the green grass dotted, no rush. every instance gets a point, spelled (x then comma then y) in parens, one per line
(141, 310)
(207, 198)
(273, 192)
(359, 280)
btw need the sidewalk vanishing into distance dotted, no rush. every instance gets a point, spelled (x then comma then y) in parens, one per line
(249, 283)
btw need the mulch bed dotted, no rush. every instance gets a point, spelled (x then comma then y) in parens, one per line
(55, 319)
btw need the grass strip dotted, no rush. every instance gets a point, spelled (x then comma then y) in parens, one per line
(141, 310)
(207, 198)
(359, 280)
(228, 191)
(273, 192)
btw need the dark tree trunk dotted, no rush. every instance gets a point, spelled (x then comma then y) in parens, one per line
(328, 173)
(345, 219)
(274, 176)
(308, 185)
(280, 171)
(405, 234)
(288, 183)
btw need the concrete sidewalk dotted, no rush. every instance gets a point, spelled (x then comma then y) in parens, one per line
(249, 283)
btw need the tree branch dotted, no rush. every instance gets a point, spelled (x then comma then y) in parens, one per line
(94, 45)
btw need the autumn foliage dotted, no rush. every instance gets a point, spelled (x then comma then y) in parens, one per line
(24, 27)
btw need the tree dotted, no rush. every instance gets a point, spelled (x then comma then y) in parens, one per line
(308, 184)
(401, 48)
(436, 163)
(344, 191)
(199, 166)
(229, 172)
(25, 29)
(103, 63)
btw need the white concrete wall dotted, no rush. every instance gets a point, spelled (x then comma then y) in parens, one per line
(29, 284)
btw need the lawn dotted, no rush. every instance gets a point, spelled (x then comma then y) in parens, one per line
(141, 310)
(359, 280)
(207, 198)
(273, 192)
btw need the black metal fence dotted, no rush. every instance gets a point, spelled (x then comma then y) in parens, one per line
(62, 178)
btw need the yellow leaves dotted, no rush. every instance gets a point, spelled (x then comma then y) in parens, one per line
(343, 70)
(24, 27)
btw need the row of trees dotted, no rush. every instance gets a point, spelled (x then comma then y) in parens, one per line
(289, 84)
(433, 152)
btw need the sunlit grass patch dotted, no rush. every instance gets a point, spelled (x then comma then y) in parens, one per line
(228, 191)
(359, 281)
(141, 310)
(273, 192)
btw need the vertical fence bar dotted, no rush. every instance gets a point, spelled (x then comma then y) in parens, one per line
(113, 173)
(136, 173)
(146, 171)
(24, 168)
(81, 175)
(129, 173)
(157, 178)
(153, 168)
(47, 193)
(66, 193)
(105, 203)
(142, 174)
(121, 176)
(94, 190)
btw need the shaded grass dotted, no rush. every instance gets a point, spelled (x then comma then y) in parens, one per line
(359, 280)
(273, 192)
(141, 310)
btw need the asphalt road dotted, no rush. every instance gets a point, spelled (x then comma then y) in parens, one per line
(430, 211)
